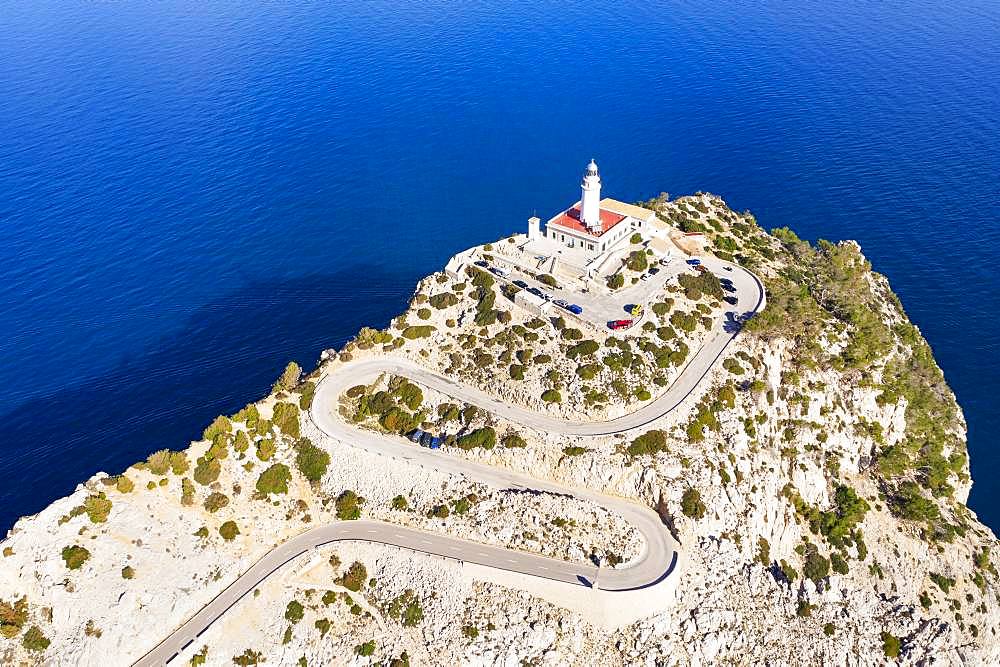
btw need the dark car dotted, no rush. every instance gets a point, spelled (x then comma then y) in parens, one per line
(731, 300)
(435, 443)
(426, 439)
(482, 264)
(521, 284)
(537, 292)
(653, 271)
(416, 435)
(694, 262)
(575, 309)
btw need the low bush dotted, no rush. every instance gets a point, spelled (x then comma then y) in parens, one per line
(207, 471)
(289, 378)
(229, 531)
(616, 281)
(75, 556)
(34, 640)
(216, 501)
(294, 612)
(348, 505)
(551, 396)
(484, 438)
(274, 480)
(692, 505)
(311, 460)
(651, 442)
(414, 332)
(286, 417)
(355, 577)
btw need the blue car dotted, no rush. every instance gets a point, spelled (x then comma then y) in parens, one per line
(416, 435)
(435, 442)
(575, 309)
(694, 262)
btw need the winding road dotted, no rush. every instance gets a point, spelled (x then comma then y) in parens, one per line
(652, 566)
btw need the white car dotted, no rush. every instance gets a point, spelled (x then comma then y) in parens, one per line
(645, 276)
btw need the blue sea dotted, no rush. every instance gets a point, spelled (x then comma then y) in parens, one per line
(192, 193)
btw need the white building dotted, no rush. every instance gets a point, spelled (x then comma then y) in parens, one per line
(593, 225)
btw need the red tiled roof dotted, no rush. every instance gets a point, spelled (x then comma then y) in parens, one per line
(570, 219)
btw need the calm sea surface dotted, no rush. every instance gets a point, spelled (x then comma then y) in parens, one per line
(191, 194)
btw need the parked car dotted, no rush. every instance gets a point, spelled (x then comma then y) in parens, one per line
(436, 442)
(416, 435)
(561, 303)
(644, 276)
(497, 271)
(665, 261)
(731, 300)
(636, 310)
(575, 309)
(425, 439)
(483, 264)
(536, 292)
(653, 271)
(694, 262)
(728, 268)
(619, 324)
(701, 268)
(521, 284)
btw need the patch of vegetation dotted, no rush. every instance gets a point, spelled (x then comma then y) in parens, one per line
(274, 480)
(484, 438)
(355, 577)
(890, 645)
(207, 471)
(692, 505)
(216, 501)
(311, 460)
(229, 530)
(13, 616)
(417, 331)
(348, 506)
(649, 443)
(551, 396)
(128, 572)
(75, 556)
(34, 640)
(294, 611)
(289, 378)
(286, 417)
(406, 609)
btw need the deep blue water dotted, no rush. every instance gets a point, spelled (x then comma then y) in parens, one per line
(191, 194)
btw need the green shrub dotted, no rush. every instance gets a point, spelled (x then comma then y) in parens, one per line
(355, 577)
(516, 372)
(229, 531)
(637, 261)
(400, 503)
(414, 332)
(216, 501)
(294, 611)
(651, 442)
(485, 438)
(684, 321)
(692, 505)
(97, 507)
(424, 313)
(546, 279)
(584, 348)
(348, 505)
(443, 300)
(588, 371)
(289, 378)
(266, 448)
(13, 617)
(75, 556)
(829, 629)
(366, 649)
(311, 460)
(128, 572)
(274, 480)
(764, 552)
(890, 645)
(616, 281)
(307, 391)
(513, 440)
(551, 396)
(635, 238)
(574, 450)
(158, 463)
(221, 424)
(661, 308)
(286, 417)
(34, 640)
(643, 394)
(816, 567)
(207, 471)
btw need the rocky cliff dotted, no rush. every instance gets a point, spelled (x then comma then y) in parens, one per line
(815, 480)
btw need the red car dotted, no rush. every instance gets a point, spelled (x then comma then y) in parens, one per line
(620, 324)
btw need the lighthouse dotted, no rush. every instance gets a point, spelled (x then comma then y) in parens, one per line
(590, 200)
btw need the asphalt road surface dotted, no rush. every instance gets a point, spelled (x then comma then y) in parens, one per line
(655, 562)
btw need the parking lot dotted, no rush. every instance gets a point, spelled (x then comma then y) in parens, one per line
(600, 306)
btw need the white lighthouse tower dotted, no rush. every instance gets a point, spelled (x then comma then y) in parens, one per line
(590, 201)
